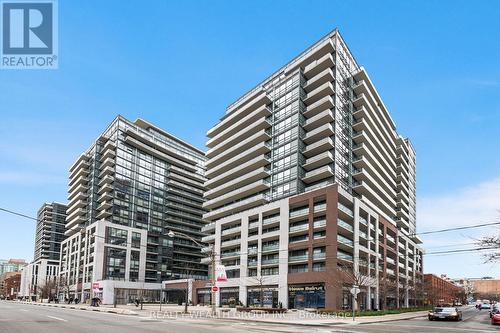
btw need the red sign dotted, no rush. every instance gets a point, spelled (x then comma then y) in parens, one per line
(215, 289)
(95, 285)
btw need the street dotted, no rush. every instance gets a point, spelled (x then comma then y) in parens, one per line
(25, 318)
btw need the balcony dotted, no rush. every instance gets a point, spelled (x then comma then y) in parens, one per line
(108, 162)
(322, 118)
(326, 75)
(239, 146)
(253, 225)
(267, 262)
(318, 106)
(107, 171)
(242, 169)
(344, 256)
(297, 213)
(299, 258)
(238, 182)
(104, 197)
(316, 134)
(270, 220)
(319, 224)
(103, 214)
(238, 206)
(238, 193)
(252, 263)
(208, 227)
(82, 161)
(344, 242)
(80, 174)
(318, 147)
(208, 239)
(106, 180)
(318, 161)
(319, 255)
(230, 254)
(326, 89)
(319, 65)
(270, 248)
(317, 174)
(231, 231)
(77, 212)
(345, 210)
(105, 188)
(298, 228)
(232, 163)
(345, 226)
(236, 111)
(230, 242)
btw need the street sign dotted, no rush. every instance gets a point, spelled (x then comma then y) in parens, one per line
(355, 290)
(215, 289)
(95, 286)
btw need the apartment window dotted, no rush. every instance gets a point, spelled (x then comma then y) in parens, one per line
(116, 236)
(300, 238)
(319, 267)
(319, 234)
(134, 265)
(115, 263)
(297, 268)
(136, 240)
(269, 271)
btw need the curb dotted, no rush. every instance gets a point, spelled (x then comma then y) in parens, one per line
(104, 310)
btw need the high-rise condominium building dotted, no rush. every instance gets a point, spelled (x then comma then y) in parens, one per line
(49, 234)
(50, 227)
(309, 185)
(126, 192)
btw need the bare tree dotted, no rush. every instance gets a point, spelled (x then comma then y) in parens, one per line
(387, 287)
(350, 276)
(493, 243)
(259, 281)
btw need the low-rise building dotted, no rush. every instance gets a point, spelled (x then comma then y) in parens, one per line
(11, 284)
(441, 291)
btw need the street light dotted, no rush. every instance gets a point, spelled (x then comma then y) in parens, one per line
(172, 234)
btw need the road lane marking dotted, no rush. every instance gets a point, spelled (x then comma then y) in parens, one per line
(436, 327)
(56, 318)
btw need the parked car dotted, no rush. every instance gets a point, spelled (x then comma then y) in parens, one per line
(483, 306)
(494, 309)
(445, 313)
(495, 317)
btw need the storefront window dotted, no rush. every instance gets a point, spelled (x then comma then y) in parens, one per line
(229, 296)
(306, 296)
(266, 297)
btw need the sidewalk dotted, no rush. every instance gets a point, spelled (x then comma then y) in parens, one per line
(302, 318)
(118, 310)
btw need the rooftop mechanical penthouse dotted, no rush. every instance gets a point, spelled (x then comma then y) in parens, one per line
(307, 175)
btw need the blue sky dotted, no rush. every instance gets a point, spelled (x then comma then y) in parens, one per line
(178, 64)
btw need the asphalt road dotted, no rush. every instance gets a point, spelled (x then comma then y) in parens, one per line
(25, 318)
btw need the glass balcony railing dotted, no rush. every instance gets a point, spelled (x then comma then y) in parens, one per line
(345, 225)
(270, 247)
(344, 240)
(319, 223)
(299, 227)
(298, 258)
(346, 209)
(319, 255)
(344, 256)
(300, 212)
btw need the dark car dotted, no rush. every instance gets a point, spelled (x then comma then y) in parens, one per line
(494, 309)
(445, 313)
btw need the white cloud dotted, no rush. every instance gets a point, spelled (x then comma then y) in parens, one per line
(470, 205)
